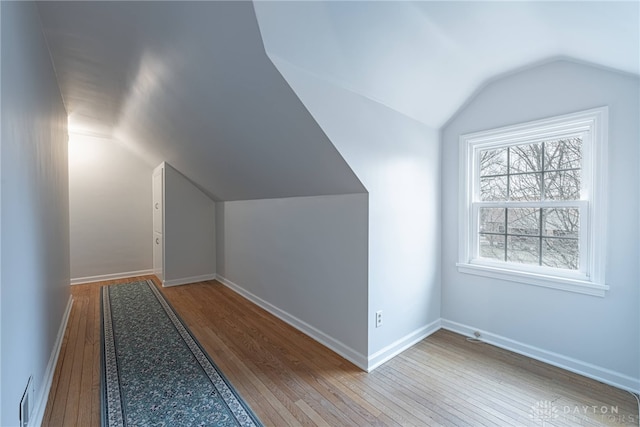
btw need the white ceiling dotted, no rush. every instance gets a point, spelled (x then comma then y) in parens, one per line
(191, 83)
(424, 59)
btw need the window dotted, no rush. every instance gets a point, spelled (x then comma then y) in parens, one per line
(533, 202)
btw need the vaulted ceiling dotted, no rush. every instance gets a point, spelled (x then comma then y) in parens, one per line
(192, 84)
(424, 59)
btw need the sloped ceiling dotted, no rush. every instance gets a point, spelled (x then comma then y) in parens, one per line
(424, 59)
(190, 83)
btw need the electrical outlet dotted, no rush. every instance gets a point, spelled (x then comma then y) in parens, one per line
(378, 318)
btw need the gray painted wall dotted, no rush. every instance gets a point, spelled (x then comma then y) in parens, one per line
(189, 230)
(305, 255)
(35, 208)
(600, 331)
(110, 208)
(397, 159)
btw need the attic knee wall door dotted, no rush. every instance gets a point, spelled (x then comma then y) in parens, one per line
(158, 198)
(184, 229)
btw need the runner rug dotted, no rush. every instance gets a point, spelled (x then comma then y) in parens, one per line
(154, 372)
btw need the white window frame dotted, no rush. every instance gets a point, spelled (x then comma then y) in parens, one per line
(592, 126)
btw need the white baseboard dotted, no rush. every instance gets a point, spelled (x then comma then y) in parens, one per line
(187, 280)
(41, 402)
(113, 276)
(586, 369)
(395, 348)
(340, 348)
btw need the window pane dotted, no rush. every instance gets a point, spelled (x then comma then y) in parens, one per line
(563, 154)
(563, 185)
(561, 222)
(525, 158)
(524, 250)
(494, 188)
(560, 253)
(492, 220)
(532, 212)
(525, 187)
(523, 221)
(493, 162)
(492, 246)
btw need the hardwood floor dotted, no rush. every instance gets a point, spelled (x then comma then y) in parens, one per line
(289, 379)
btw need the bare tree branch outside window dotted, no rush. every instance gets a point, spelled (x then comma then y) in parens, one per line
(541, 171)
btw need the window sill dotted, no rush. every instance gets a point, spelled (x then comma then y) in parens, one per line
(554, 282)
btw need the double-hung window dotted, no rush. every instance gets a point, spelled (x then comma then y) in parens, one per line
(533, 206)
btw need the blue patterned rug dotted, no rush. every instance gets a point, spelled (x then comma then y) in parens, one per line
(154, 371)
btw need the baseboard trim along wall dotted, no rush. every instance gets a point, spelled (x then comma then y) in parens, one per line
(588, 370)
(343, 350)
(113, 276)
(41, 403)
(187, 280)
(395, 348)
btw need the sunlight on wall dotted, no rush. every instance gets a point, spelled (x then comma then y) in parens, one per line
(103, 174)
(85, 133)
(150, 79)
(80, 149)
(81, 136)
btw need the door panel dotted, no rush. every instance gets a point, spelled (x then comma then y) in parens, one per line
(157, 255)
(157, 201)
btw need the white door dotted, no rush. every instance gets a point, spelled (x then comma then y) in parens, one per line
(158, 244)
(157, 201)
(157, 256)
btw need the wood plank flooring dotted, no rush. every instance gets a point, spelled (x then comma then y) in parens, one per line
(290, 380)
